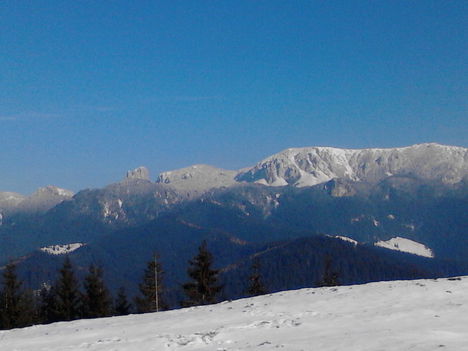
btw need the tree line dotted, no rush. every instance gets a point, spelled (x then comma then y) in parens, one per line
(67, 299)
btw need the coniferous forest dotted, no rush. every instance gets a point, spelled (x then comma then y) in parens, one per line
(292, 265)
(69, 299)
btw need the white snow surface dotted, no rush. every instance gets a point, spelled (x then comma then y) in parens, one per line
(61, 249)
(406, 245)
(420, 315)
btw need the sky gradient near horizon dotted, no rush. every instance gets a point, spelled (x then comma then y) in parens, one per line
(90, 89)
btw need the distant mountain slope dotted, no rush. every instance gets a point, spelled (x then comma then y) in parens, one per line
(433, 215)
(41, 200)
(420, 315)
(286, 264)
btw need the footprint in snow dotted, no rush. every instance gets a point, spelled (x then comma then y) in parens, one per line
(276, 323)
(202, 338)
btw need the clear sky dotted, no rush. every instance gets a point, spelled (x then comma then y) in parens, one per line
(90, 89)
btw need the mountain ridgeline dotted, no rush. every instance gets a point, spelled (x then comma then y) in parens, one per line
(289, 211)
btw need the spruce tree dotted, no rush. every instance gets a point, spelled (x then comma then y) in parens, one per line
(16, 307)
(29, 313)
(330, 277)
(122, 306)
(68, 300)
(48, 304)
(204, 288)
(256, 286)
(152, 288)
(96, 300)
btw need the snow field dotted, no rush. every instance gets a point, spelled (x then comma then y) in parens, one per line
(400, 315)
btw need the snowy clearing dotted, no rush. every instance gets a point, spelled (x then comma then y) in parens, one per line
(399, 315)
(406, 245)
(61, 249)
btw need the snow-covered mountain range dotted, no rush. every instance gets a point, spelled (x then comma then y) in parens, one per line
(420, 315)
(309, 166)
(297, 167)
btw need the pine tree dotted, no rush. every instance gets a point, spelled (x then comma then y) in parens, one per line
(68, 300)
(29, 314)
(122, 306)
(329, 278)
(256, 286)
(96, 300)
(203, 289)
(152, 288)
(17, 305)
(11, 295)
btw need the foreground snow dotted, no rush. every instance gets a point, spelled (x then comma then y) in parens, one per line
(403, 315)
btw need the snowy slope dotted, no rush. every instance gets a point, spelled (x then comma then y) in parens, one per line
(314, 165)
(403, 315)
(406, 245)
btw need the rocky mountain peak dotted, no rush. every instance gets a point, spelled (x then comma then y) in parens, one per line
(138, 173)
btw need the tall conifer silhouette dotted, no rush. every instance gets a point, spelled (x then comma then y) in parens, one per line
(97, 301)
(203, 288)
(152, 288)
(68, 296)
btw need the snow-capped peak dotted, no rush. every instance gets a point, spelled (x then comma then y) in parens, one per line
(314, 165)
(51, 190)
(10, 200)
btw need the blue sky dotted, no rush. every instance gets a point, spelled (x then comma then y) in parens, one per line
(90, 89)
